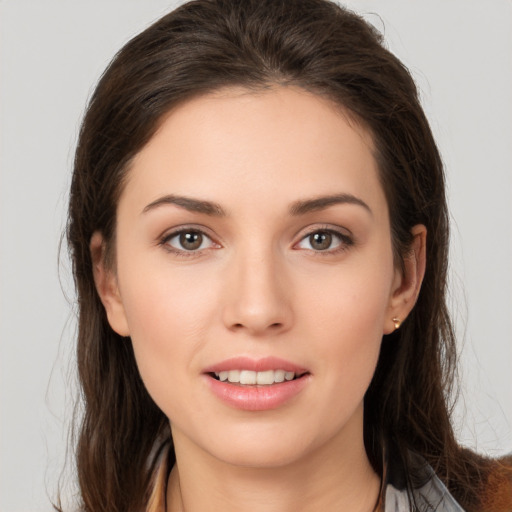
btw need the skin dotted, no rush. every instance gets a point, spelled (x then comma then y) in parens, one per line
(257, 287)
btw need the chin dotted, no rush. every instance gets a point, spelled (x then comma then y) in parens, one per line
(262, 455)
(267, 447)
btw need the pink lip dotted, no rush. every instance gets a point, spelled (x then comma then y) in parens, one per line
(255, 365)
(256, 398)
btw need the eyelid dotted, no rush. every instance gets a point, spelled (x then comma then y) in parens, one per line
(345, 236)
(174, 232)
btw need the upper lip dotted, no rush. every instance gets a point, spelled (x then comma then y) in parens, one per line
(255, 365)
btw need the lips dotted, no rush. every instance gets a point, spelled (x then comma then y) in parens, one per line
(255, 365)
(256, 385)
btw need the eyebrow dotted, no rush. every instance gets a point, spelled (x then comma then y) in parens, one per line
(188, 203)
(320, 203)
(297, 208)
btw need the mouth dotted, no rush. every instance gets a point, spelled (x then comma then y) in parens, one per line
(256, 378)
(253, 384)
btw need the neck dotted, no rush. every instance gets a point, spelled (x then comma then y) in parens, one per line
(334, 477)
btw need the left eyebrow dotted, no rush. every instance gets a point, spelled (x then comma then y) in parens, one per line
(188, 203)
(320, 203)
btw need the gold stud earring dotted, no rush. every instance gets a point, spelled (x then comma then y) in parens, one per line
(397, 322)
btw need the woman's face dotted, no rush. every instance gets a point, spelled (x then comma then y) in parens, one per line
(253, 242)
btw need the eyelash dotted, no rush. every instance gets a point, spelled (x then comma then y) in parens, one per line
(345, 240)
(183, 253)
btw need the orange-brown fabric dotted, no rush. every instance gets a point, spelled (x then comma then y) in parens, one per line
(497, 492)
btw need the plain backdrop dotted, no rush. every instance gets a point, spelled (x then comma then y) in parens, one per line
(52, 53)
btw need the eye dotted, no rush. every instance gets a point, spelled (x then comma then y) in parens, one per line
(325, 240)
(188, 240)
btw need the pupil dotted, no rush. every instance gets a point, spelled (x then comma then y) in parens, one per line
(191, 241)
(321, 241)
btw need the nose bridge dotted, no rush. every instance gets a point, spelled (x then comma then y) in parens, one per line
(258, 300)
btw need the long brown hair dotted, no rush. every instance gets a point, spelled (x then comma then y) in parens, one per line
(200, 47)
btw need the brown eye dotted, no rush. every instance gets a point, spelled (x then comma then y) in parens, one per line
(191, 240)
(188, 241)
(327, 241)
(321, 240)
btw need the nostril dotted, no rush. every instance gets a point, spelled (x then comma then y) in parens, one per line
(257, 327)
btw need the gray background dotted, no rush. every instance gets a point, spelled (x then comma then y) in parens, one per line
(51, 54)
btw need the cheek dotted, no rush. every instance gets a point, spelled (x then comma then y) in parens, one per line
(346, 316)
(164, 299)
(168, 314)
(352, 299)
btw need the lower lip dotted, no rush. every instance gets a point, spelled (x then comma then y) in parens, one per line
(257, 398)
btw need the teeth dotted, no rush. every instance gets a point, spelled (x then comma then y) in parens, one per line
(248, 377)
(265, 377)
(234, 376)
(279, 375)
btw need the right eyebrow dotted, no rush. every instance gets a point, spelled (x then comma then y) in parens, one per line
(187, 203)
(323, 202)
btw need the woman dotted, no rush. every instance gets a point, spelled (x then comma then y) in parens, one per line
(259, 235)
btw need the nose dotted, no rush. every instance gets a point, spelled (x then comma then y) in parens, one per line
(258, 296)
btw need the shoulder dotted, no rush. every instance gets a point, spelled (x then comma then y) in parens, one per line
(412, 485)
(415, 485)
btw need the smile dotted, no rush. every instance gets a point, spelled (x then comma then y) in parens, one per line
(251, 384)
(248, 377)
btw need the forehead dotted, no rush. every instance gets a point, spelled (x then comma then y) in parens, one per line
(279, 143)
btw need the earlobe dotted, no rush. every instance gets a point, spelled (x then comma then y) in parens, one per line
(107, 287)
(408, 280)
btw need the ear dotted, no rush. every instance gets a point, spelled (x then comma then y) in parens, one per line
(407, 281)
(107, 287)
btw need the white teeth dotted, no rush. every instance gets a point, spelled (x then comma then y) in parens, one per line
(234, 376)
(248, 377)
(279, 376)
(265, 377)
